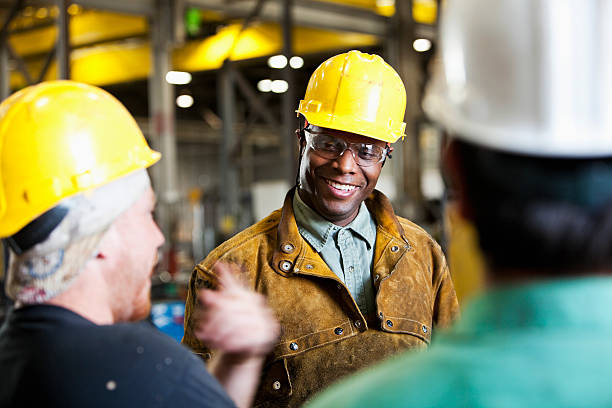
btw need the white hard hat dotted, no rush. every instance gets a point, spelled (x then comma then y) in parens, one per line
(526, 76)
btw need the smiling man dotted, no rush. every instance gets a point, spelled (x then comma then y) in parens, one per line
(351, 283)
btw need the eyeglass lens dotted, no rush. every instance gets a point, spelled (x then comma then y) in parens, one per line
(329, 147)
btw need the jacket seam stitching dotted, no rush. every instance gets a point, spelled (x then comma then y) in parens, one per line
(310, 334)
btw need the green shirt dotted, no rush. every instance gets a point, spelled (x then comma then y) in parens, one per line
(546, 344)
(348, 250)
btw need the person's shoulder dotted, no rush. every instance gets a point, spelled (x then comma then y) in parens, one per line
(409, 379)
(381, 208)
(141, 336)
(261, 230)
(161, 370)
(417, 234)
(147, 348)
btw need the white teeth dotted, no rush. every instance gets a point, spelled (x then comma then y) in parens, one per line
(344, 187)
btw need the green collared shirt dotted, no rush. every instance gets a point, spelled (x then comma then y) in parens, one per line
(348, 251)
(545, 344)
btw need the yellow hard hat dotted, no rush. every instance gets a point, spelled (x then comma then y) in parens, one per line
(358, 93)
(60, 138)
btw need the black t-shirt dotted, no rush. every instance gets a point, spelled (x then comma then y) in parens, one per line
(52, 357)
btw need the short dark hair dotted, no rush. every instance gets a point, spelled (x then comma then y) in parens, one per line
(540, 213)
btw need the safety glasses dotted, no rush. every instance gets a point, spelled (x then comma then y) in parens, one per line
(329, 147)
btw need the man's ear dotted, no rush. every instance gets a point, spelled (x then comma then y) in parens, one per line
(452, 165)
(388, 156)
(299, 134)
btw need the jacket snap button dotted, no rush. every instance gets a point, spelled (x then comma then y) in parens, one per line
(424, 329)
(394, 248)
(309, 266)
(293, 346)
(288, 248)
(380, 315)
(358, 324)
(389, 323)
(285, 266)
(338, 331)
(276, 385)
(376, 278)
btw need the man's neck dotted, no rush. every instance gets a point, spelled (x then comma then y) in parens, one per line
(88, 297)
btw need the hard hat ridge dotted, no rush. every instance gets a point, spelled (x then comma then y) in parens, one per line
(358, 93)
(543, 90)
(58, 139)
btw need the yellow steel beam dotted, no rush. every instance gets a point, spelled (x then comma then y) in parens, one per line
(131, 60)
(382, 7)
(88, 27)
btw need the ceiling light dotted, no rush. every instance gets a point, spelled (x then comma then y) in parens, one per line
(279, 86)
(277, 61)
(178, 77)
(74, 9)
(42, 13)
(265, 85)
(296, 62)
(184, 101)
(421, 44)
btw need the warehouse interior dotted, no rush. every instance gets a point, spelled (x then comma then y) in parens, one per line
(214, 85)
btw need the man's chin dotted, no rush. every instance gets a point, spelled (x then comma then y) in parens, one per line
(142, 312)
(142, 307)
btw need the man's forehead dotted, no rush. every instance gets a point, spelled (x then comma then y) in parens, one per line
(348, 136)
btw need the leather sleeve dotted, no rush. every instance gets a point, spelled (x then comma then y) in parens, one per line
(446, 305)
(200, 279)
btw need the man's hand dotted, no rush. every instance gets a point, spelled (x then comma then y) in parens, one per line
(238, 323)
(234, 319)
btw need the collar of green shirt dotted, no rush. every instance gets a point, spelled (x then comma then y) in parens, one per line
(547, 305)
(317, 231)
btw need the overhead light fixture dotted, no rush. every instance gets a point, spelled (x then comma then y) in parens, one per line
(265, 85)
(277, 61)
(421, 44)
(42, 13)
(184, 101)
(279, 86)
(74, 9)
(296, 62)
(178, 77)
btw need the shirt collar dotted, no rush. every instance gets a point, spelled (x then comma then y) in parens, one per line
(318, 231)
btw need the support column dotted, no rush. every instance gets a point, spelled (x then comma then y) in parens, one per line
(406, 155)
(229, 187)
(63, 40)
(288, 140)
(162, 116)
(5, 74)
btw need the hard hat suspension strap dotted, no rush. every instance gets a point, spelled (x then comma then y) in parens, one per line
(36, 231)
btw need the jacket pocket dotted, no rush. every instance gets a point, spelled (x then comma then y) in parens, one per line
(275, 384)
(394, 324)
(292, 346)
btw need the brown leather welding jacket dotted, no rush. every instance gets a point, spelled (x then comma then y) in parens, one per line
(324, 334)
